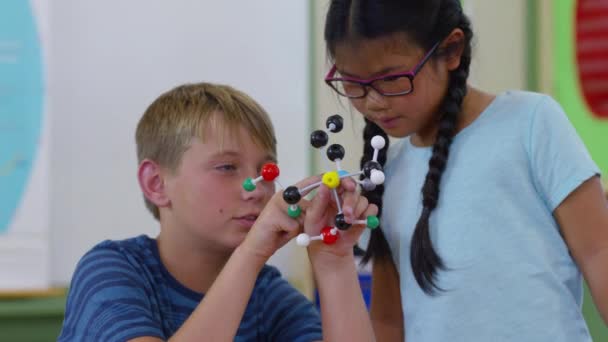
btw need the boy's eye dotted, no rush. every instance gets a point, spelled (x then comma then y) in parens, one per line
(226, 167)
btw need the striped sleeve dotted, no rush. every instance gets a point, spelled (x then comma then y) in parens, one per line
(107, 301)
(290, 315)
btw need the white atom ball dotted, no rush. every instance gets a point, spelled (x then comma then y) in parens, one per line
(377, 177)
(303, 240)
(367, 185)
(378, 142)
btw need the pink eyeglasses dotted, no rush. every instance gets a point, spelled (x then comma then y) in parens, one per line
(386, 85)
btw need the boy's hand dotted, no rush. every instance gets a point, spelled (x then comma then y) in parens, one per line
(322, 211)
(274, 228)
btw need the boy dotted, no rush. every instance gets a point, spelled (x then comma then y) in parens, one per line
(204, 277)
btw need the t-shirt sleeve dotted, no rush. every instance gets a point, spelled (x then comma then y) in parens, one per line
(559, 160)
(290, 315)
(107, 301)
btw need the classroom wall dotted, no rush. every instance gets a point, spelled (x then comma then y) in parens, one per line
(110, 59)
(499, 55)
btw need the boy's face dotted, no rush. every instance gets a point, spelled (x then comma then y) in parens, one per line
(207, 199)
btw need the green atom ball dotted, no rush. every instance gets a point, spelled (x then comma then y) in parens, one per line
(248, 185)
(372, 222)
(294, 211)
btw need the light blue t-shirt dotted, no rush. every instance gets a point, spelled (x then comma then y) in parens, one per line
(510, 277)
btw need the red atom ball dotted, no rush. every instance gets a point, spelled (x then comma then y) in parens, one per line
(328, 237)
(270, 171)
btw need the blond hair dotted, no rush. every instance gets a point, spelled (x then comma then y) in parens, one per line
(168, 125)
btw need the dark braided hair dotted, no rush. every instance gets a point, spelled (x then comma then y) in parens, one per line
(426, 23)
(377, 246)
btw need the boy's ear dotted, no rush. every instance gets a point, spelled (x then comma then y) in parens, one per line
(152, 183)
(453, 46)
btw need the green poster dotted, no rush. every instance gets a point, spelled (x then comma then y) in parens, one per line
(575, 53)
(592, 127)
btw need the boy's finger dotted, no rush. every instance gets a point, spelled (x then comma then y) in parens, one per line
(350, 201)
(348, 191)
(316, 210)
(361, 207)
(290, 227)
(306, 185)
(372, 210)
(348, 184)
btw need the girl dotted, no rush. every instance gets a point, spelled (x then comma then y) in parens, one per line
(488, 242)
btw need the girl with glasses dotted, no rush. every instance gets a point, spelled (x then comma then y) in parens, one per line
(492, 209)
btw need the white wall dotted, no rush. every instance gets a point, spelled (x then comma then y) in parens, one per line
(110, 59)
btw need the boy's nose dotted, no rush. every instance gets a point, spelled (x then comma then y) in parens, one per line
(260, 192)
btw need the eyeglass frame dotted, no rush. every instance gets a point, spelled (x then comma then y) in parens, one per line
(365, 83)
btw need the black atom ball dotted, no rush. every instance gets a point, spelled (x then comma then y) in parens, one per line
(335, 151)
(291, 195)
(341, 222)
(369, 166)
(336, 121)
(318, 139)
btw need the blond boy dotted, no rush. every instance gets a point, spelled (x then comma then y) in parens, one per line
(204, 277)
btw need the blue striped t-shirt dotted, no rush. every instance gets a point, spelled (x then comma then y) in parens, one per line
(121, 290)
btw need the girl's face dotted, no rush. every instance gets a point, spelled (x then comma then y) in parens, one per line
(402, 115)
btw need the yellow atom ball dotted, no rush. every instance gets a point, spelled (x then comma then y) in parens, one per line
(331, 179)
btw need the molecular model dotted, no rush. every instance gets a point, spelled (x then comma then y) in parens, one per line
(372, 170)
